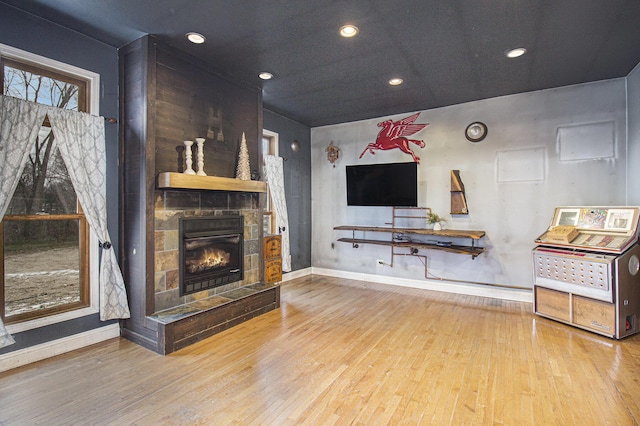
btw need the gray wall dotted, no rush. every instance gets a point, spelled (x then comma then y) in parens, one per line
(559, 147)
(633, 134)
(297, 181)
(26, 32)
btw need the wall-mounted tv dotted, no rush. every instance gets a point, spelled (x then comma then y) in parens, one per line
(392, 184)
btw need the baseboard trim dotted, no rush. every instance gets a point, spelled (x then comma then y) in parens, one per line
(495, 292)
(42, 351)
(288, 276)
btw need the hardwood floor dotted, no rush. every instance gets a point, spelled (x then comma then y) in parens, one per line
(346, 352)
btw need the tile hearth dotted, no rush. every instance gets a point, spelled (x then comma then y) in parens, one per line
(196, 307)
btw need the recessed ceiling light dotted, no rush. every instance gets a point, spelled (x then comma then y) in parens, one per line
(395, 81)
(265, 75)
(348, 30)
(195, 38)
(514, 53)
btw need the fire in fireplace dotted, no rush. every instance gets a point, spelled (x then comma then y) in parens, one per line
(211, 252)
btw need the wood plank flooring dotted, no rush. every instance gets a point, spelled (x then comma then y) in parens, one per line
(346, 352)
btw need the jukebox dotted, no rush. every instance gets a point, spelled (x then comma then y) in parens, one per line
(585, 268)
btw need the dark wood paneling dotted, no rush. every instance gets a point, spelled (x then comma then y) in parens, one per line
(136, 219)
(192, 102)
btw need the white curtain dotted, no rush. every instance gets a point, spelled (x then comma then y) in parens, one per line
(19, 125)
(275, 178)
(81, 143)
(20, 122)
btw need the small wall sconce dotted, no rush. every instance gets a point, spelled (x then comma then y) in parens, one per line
(295, 145)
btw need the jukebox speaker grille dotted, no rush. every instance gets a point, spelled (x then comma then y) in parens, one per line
(587, 273)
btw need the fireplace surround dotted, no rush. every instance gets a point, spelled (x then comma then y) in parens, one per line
(186, 319)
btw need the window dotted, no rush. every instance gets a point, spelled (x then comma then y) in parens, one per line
(45, 242)
(269, 147)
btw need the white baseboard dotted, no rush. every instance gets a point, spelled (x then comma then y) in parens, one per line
(495, 292)
(56, 347)
(288, 276)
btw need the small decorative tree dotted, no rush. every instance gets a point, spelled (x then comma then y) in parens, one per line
(243, 171)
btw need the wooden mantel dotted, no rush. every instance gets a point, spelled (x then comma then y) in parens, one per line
(168, 180)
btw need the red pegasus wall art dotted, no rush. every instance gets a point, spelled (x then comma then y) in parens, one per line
(394, 135)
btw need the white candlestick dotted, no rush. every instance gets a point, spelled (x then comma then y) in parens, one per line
(187, 158)
(200, 157)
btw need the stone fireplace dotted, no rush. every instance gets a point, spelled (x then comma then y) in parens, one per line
(198, 209)
(190, 306)
(168, 97)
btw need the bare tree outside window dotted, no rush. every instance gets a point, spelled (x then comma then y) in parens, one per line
(44, 241)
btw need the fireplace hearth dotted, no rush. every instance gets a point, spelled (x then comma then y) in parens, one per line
(211, 252)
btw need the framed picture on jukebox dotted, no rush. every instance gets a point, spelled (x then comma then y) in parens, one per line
(619, 220)
(566, 217)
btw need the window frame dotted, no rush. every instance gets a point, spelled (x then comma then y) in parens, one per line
(84, 268)
(93, 107)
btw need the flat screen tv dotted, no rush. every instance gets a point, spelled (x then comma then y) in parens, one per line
(392, 184)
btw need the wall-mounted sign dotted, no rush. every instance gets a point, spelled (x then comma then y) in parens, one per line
(394, 135)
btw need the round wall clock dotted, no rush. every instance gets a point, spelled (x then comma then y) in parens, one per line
(476, 131)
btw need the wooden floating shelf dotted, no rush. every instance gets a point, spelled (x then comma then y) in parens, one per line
(169, 180)
(451, 233)
(472, 251)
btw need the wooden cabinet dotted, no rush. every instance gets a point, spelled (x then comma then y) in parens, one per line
(273, 259)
